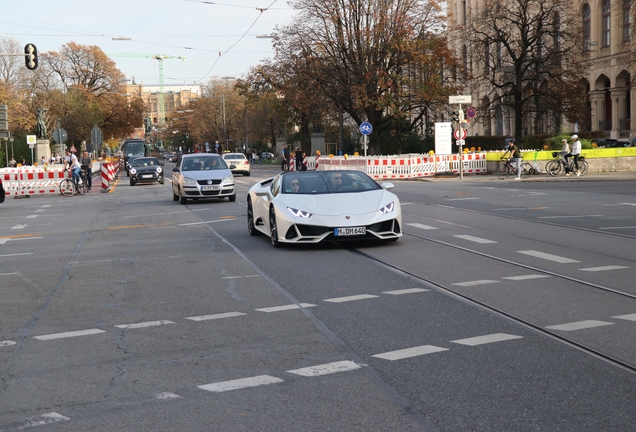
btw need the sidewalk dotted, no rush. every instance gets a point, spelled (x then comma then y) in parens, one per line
(471, 178)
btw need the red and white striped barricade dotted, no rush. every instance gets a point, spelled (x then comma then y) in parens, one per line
(105, 177)
(29, 181)
(292, 163)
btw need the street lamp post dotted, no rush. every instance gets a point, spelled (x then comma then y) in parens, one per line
(11, 141)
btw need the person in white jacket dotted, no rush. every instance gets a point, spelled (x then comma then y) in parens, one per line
(576, 152)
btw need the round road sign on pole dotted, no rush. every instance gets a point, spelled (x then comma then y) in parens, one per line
(366, 128)
(470, 112)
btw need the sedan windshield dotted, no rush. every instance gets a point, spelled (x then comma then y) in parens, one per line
(328, 182)
(202, 163)
(139, 162)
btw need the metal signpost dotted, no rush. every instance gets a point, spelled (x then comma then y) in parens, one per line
(96, 140)
(366, 129)
(460, 133)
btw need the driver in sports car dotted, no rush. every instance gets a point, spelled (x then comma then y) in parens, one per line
(336, 181)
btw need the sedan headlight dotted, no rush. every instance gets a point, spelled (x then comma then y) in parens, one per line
(387, 208)
(229, 179)
(299, 213)
(133, 171)
(187, 181)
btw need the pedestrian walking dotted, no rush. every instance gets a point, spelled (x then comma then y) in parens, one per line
(299, 159)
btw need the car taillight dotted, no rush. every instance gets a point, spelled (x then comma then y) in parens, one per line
(246, 163)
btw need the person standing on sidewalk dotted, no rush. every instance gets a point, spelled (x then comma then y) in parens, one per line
(576, 152)
(87, 165)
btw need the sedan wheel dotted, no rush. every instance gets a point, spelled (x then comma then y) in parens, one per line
(273, 229)
(182, 199)
(175, 197)
(250, 218)
(232, 198)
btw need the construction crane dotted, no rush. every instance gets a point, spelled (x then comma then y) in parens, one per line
(160, 58)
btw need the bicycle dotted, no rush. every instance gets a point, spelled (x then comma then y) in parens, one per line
(68, 186)
(509, 169)
(560, 165)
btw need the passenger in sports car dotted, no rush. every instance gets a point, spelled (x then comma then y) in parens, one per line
(294, 186)
(336, 181)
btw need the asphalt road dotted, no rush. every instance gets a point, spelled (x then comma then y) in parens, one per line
(506, 306)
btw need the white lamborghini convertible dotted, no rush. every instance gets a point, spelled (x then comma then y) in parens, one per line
(316, 206)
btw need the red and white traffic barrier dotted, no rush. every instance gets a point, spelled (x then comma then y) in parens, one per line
(29, 181)
(105, 177)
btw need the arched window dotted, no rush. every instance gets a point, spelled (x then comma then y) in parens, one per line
(586, 27)
(606, 24)
(627, 20)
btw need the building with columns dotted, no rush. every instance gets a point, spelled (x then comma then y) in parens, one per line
(608, 50)
(176, 97)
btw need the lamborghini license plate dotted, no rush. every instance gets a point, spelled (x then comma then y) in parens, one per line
(351, 231)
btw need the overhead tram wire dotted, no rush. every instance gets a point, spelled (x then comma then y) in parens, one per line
(239, 39)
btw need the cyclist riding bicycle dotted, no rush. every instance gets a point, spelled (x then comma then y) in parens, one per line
(515, 154)
(71, 163)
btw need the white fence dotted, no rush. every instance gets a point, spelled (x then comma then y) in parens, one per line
(406, 166)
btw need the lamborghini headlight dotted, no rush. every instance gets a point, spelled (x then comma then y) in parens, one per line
(387, 208)
(299, 213)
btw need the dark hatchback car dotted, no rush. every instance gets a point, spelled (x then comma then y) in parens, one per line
(146, 170)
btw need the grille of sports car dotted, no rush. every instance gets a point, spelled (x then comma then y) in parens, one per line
(381, 228)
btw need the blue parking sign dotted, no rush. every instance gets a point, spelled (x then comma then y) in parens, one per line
(366, 128)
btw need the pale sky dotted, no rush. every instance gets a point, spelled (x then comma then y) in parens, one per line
(196, 29)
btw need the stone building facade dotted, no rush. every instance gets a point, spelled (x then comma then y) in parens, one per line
(175, 99)
(608, 49)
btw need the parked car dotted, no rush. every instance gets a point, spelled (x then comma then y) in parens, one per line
(317, 206)
(267, 155)
(146, 170)
(200, 176)
(241, 163)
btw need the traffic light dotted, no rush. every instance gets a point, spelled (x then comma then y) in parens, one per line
(31, 56)
(456, 116)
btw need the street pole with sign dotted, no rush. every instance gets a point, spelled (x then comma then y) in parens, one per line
(461, 136)
(365, 130)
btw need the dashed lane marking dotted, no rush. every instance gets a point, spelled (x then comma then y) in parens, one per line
(44, 419)
(205, 222)
(547, 256)
(476, 282)
(421, 226)
(19, 226)
(474, 239)
(69, 334)
(7, 274)
(568, 216)
(350, 298)
(215, 316)
(629, 317)
(168, 396)
(579, 325)
(326, 369)
(285, 307)
(144, 324)
(615, 228)
(486, 339)
(7, 343)
(463, 199)
(239, 277)
(405, 291)
(603, 268)
(137, 226)
(526, 277)
(241, 383)
(410, 352)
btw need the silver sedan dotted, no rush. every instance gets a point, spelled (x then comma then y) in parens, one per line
(202, 176)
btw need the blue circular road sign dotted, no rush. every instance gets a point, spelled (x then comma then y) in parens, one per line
(366, 128)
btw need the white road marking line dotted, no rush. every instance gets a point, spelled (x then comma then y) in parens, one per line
(215, 316)
(69, 334)
(206, 222)
(39, 210)
(474, 239)
(568, 216)
(4, 240)
(463, 199)
(630, 317)
(32, 216)
(548, 256)
(47, 205)
(405, 291)
(421, 226)
(7, 343)
(410, 352)
(17, 254)
(619, 204)
(480, 340)
(231, 277)
(476, 282)
(44, 419)
(168, 396)
(144, 324)
(525, 277)
(625, 227)
(579, 325)
(603, 268)
(326, 369)
(350, 298)
(285, 307)
(156, 214)
(512, 208)
(19, 226)
(240, 383)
